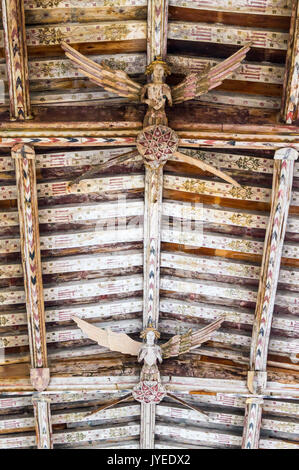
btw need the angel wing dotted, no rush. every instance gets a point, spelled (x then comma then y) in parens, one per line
(180, 344)
(116, 81)
(198, 83)
(114, 341)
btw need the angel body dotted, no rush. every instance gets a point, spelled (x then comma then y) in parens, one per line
(156, 95)
(149, 353)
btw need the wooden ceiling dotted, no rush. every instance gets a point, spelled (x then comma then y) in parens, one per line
(211, 267)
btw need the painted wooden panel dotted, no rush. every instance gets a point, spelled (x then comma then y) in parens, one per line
(261, 7)
(83, 33)
(116, 432)
(13, 37)
(44, 69)
(283, 345)
(71, 334)
(79, 289)
(254, 101)
(222, 34)
(184, 310)
(30, 252)
(257, 72)
(102, 310)
(80, 214)
(95, 156)
(190, 238)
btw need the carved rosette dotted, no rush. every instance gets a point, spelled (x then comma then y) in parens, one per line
(149, 392)
(157, 144)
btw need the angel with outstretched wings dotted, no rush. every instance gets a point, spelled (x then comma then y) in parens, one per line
(149, 389)
(156, 94)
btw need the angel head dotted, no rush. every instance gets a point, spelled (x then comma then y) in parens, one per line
(150, 333)
(158, 68)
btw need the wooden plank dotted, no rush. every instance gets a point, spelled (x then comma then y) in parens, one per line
(246, 100)
(131, 208)
(190, 310)
(188, 238)
(102, 311)
(248, 71)
(227, 34)
(45, 69)
(80, 214)
(290, 97)
(239, 339)
(16, 58)
(30, 251)
(73, 334)
(77, 290)
(48, 4)
(84, 33)
(82, 11)
(263, 7)
(62, 188)
(273, 248)
(98, 433)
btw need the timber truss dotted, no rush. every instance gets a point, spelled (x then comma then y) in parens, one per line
(44, 388)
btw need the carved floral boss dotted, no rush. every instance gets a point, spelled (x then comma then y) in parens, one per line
(157, 142)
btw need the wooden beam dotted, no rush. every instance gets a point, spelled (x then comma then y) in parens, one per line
(289, 109)
(24, 157)
(228, 137)
(16, 58)
(252, 424)
(263, 7)
(43, 425)
(157, 23)
(227, 34)
(273, 246)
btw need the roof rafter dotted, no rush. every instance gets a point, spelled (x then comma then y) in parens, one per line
(281, 196)
(24, 157)
(16, 58)
(289, 109)
(157, 46)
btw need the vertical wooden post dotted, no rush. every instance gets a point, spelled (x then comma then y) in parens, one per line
(152, 240)
(148, 413)
(43, 425)
(157, 21)
(290, 95)
(151, 272)
(24, 156)
(281, 195)
(252, 424)
(16, 58)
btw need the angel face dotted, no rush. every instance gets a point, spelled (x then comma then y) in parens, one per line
(150, 338)
(158, 73)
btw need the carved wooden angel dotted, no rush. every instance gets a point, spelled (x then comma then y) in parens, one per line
(156, 93)
(149, 352)
(150, 388)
